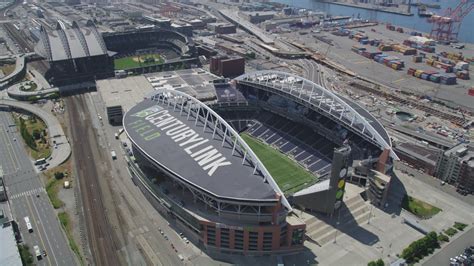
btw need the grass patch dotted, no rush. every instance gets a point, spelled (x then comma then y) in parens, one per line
(289, 175)
(35, 132)
(52, 188)
(443, 238)
(419, 208)
(25, 255)
(450, 231)
(459, 226)
(65, 221)
(137, 61)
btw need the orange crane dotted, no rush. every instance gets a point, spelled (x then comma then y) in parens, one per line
(446, 27)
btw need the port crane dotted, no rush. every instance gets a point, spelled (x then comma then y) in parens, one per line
(446, 27)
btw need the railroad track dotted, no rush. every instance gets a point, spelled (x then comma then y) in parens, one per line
(103, 247)
(416, 104)
(16, 35)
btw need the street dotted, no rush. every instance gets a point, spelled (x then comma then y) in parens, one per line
(28, 198)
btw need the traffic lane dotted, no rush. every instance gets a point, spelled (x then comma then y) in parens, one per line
(21, 207)
(8, 162)
(28, 201)
(56, 245)
(26, 181)
(14, 139)
(59, 243)
(11, 138)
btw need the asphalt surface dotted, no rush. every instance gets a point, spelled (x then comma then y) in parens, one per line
(28, 198)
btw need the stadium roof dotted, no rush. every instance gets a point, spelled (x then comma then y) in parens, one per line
(70, 43)
(327, 102)
(187, 138)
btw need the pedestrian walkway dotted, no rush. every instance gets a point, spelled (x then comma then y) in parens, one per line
(35, 191)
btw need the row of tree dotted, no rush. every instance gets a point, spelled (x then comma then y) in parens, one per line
(378, 262)
(420, 248)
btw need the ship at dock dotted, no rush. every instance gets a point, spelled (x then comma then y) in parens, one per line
(423, 12)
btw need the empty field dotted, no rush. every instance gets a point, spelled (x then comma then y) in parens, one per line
(289, 175)
(137, 61)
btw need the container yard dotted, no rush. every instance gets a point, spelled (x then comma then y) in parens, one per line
(363, 50)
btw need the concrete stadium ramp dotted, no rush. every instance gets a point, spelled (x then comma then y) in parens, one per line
(56, 132)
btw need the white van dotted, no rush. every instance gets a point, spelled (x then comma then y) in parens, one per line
(28, 224)
(40, 161)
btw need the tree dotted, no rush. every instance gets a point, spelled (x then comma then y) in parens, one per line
(378, 262)
(443, 237)
(29, 140)
(420, 248)
(36, 134)
(58, 175)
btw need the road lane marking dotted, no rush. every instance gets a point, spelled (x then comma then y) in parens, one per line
(46, 235)
(28, 193)
(398, 80)
(8, 145)
(36, 226)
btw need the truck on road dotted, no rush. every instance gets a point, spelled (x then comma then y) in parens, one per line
(114, 155)
(37, 252)
(28, 224)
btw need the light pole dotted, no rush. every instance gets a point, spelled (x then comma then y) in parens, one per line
(337, 223)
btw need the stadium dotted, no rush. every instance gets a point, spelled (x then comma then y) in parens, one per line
(150, 49)
(231, 168)
(80, 53)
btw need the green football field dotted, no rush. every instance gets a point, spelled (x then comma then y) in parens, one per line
(137, 61)
(289, 175)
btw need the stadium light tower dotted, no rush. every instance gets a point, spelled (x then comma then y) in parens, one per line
(446, 27)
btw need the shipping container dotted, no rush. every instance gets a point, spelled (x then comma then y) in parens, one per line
(435, 78)
(463, 74)
(417, 59)
(471, 92)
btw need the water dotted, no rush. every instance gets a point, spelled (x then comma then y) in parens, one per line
(466, 32)
(404, 116)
